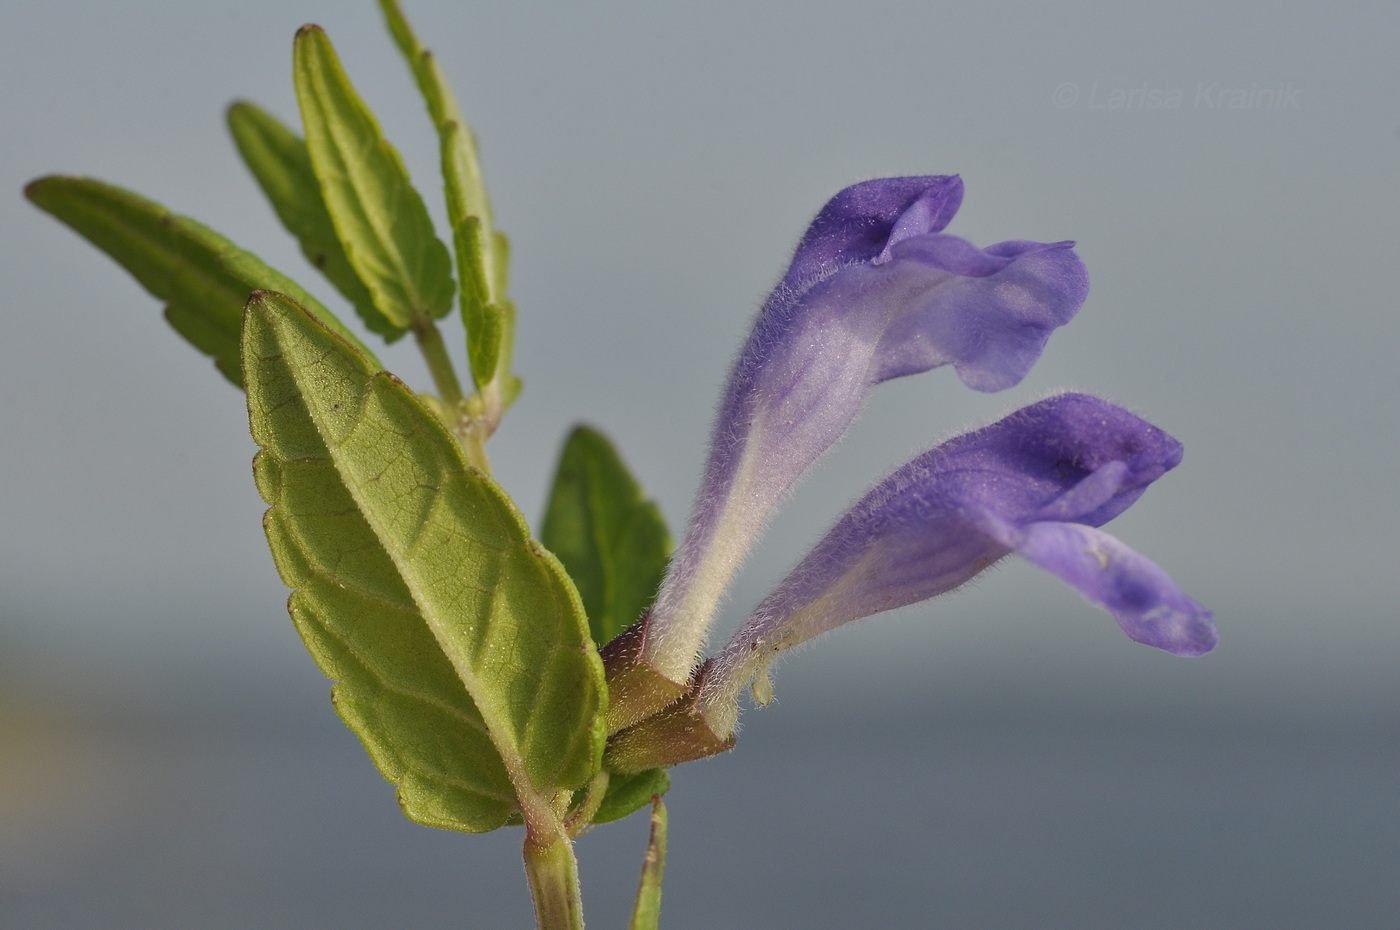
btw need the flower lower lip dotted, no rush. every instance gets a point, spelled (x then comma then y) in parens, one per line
(948, 514)
(875, 291)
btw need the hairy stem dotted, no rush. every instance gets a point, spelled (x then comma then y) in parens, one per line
(579, 821)
(470, 428)
(473, 439)
(646, 914)
(553, 874)
(439, 364)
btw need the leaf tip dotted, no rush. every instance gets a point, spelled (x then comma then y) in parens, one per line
(238, 110)
(260, 297)
(35, 188)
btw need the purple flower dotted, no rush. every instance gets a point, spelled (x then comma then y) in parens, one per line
(1038, 482)
(875, 291)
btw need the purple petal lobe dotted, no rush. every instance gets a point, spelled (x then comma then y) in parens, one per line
(1146, 603)
(990, 314)
(874, 292)
(1036, 482)
(1101, 486)
(948, 514)
(857, 225)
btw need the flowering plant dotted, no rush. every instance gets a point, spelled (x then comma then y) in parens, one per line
(497, 679)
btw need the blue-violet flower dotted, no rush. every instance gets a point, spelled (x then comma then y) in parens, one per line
(875, 291)
(1038, 482)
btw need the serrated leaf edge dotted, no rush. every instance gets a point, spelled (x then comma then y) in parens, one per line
(537, 807)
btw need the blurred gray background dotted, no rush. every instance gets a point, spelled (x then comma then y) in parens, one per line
(1001, 758)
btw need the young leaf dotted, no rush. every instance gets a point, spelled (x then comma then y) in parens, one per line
(462, 655)
(627, 793)
(484, 321)
(280, 163)
(500, 269)
(612, 540)
(204, 278)
(379, 218)
(646, 913)
(511, 386)
(466, 191)
(480, 250)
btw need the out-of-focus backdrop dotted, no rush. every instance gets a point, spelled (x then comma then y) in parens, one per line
(1001, 758)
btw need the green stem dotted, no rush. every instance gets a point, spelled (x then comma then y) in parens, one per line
(553, 874)
(470, 428)
(439, 364)
(475, 444)
(646, 914)
(581, 819)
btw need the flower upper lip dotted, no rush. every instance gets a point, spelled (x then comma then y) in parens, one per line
(875, 291)
(862, 221)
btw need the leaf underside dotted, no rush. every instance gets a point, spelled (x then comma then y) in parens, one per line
(203, 278)
(462, 655)
(280, 164)
(379, 217)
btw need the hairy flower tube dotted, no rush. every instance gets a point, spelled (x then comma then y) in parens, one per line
(1039, 483)
(875, 291)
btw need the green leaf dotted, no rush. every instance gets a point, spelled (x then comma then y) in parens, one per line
(646, 913)
(511, 386)
(466, 191)
(500, 270)
(379, 218)
(485, 322)
(204, 278)
(280, 163)
(631, 792)
(481, 251)
(612, 540)
(460, 647)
